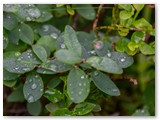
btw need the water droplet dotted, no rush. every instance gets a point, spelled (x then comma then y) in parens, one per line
(30, 99)
(28, 19)
(115, 90)
(79, 92)
(72, 99)
(142, 111)
(16, 68)
(63, 46)
(25, 69)
(87, 90)
(122, 59)
(70, 84)
(36, 76)
(17, 54)
(54, 35)
(80, 84)
(98, 45)
(72, 92)
(44, 72)
(49, 92)
(55, 100)
(95, 73)
(34, 86)
(30, 80)
(82, 77)
(53, 67)
(45, 28)
(109, 54)
(93, 52)
(41, 90)
(34, 13)
(29, 56)
(19, 30)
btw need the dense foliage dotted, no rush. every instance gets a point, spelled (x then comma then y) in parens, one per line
(75, 60)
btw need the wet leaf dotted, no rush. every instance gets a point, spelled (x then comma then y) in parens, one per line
(86, 11)
(78, 85)
(104, 83)
(33, 87)
(9, 76)
(53, 95)
(105, 64)
(67, 56)
(40, 52)
(34, 108)
(71, 41)
(83, 108)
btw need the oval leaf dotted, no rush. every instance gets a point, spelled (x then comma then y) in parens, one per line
(105, 64)
(122, 59)
(33, 87)
(78, 85)
(71, 41)
(26, 34)
(104, 83)
(40, 52)
(9, 76)
(67, 56)
(34, 108)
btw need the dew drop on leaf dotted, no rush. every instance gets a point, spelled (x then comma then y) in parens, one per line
(80, 84)
(79, 92)
(122, 59)
(54, 35)
(109, 54)
(30, 99)
(45, 28)
(34, 86)
(95, 73)
(63, 46)
(82, 77)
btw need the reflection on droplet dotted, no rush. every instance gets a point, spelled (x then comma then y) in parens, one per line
(99, 45)
(109, 54)
(49, 92)
(41, 90)
(45, 28)
(80, 84)
(19, 30)
(93, 52)
(82, 77)
(54, 35)
(53, 67)
(95, 73)
(79, 92)
(30, 99)
(63, 46)
(122, 59)
(36, 76)
(34, 86)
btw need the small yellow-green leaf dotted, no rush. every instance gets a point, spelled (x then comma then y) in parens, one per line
(138, 7)
(125, 14)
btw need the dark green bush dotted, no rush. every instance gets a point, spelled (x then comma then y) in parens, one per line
(75, 60)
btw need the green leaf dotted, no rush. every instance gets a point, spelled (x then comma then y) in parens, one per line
(53, 95)
(122, 59)
(11, 7)
(26, 33)
(13, 36)
(16, 96)
(86, 11)
(127, 7)
(138, 36)
(11, 64)
(142, 24)
(47, 29)
(83, 108)
(9, 21)
(33, 87)
(28, 12)
(9, 76)
(71, 41)
(97, 108)
(47, 41)
(102, 47)
(104, 83)
(10, 83)
(78, 85)
(123, 31)
(34, 108)
(28, 57)
(138, 7)
(45, 16)
(45, 71)
(67, 56)
(105, 64)
(70, 10)
(40, 52)
(56, 66)
(54, 83)
(51, 107)
(146, 49)
(61, 112)
(141, 112)
(132, 46)
(125, 14)
(60, 42)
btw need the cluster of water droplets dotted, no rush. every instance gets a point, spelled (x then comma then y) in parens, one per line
(32, 14)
